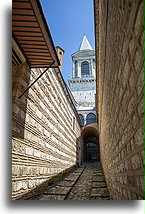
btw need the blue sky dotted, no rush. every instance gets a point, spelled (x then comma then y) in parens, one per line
(68, 20)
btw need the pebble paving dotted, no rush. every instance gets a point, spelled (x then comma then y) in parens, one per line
(87, 182)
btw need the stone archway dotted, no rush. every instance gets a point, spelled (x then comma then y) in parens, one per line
(90, 148)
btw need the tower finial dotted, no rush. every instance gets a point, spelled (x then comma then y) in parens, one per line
(85, 45)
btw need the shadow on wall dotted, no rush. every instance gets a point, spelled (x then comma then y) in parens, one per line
(36, 193)
(79, 150)
(20, 81)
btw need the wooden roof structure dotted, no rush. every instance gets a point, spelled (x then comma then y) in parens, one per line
(32, 34)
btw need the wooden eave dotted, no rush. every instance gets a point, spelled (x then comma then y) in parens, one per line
(31, 32)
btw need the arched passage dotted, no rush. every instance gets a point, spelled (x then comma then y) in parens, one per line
(90, 148)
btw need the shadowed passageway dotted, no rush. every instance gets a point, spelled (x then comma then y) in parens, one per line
(84, 183)
(96, 120)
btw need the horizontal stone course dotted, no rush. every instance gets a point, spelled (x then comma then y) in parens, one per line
(44, 142)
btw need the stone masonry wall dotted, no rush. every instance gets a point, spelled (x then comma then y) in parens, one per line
(43, 137)
(119, 45)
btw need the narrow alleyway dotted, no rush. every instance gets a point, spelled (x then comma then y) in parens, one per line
(84, 183)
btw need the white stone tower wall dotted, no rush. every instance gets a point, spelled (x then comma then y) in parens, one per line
(83, 87)
(90, 60)
(84, 98)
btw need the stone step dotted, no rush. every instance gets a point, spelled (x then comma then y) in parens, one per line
(98, 184)
(52, 197)
(98, 178)
(57, 190)
(99, 192)
(84, 183)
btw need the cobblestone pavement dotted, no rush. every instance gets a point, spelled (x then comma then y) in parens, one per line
(84, 183)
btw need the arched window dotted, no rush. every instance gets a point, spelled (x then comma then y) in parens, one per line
(76, 68)
(85, 68)
(82, 119)
(91, 118)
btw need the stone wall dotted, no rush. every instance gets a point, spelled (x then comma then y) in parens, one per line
(119, 45)
(44, 130)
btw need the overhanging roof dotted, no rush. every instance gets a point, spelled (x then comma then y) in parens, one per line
(31, 32)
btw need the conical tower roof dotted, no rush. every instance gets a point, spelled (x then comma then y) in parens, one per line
(85, 45)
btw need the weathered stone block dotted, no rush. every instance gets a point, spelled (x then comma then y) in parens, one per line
(14, 170)
(25, 185)
(22, 115)
(138, 59)
(135, 162)
(139, 19)
(29, 151)
(41, 170)
(29, 170)
(131, 104)
(31, 184)
(131, 46)
(140, 108)
(14, 187)
(141, 182)
(37, 153)
(140, 82)
(19, 185)
(125, 73)
(138, 137)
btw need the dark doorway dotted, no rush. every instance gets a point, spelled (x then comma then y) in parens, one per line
(91, 149)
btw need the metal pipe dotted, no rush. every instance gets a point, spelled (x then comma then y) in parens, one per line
(36, 80)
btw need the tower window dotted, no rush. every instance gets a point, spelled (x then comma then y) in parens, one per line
(85, 69)
(91, 118)
(82, 119)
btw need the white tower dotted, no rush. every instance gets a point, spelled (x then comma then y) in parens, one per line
(83, 81)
